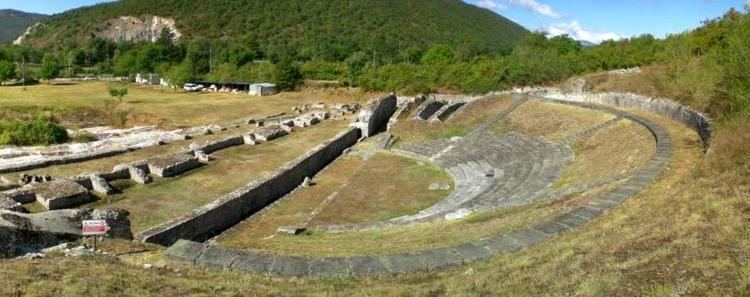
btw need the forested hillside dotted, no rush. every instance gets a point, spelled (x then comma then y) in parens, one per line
(13, 23)
(329, 30)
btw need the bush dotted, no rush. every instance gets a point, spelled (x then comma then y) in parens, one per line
(39, 131)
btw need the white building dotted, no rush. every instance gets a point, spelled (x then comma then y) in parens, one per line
(263, 89)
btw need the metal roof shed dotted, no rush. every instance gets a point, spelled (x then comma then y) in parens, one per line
(263, 89)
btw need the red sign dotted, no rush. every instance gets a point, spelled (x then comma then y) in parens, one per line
(94, 227)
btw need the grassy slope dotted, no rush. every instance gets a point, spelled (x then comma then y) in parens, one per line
(553, 122)
(619, 149)
(313, 26)
(13, 23)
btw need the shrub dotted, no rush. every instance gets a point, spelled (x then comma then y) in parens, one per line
(118, 92)
(39, 131)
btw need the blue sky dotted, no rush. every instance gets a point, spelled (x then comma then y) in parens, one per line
(46, 6)
(595, 21)
(589, 20)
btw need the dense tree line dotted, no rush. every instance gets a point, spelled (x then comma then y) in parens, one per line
(709, 64)
(328, 30)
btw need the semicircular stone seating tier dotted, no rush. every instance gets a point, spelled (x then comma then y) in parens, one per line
(300, 266)
(489, 171)
(494, 171)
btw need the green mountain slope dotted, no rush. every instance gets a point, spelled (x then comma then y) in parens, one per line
(13, 23)
(331, 28)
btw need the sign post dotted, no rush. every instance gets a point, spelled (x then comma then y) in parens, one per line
(94, 227)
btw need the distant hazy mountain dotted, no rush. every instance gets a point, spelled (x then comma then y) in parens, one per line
(13, 23)
(585, 43)
(340, 27)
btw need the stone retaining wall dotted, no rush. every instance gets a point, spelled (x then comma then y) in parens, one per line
(687, 116)
(213, 218)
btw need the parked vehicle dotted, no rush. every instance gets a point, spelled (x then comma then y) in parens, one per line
(192, 87)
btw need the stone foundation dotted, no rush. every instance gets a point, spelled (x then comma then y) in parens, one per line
(173, 164)
(225, 212)
(59, 194)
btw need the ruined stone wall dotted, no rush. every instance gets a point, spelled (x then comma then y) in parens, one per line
(687, 116)
(5, 168)
(213, 218)
(21, 233)
(375, 115)
(213, 146)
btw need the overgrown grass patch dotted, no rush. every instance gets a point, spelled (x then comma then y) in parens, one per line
(619, 149)
(552, 121)
(351, 190)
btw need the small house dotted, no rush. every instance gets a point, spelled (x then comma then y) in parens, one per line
(263, 89)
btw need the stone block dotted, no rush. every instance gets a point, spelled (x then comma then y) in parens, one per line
(99, 184)
(9, 204)
(184, 250)
(172, 164)
(21, 195)
(60, 194)
(269, 133)
(291, 230)
(250, 139)
(136, 172)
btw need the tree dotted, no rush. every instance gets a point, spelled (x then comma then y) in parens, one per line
(354, 65)
(118, 92)
(287, 74)
(166, 38)
(224, 72)
(50, 68)
(439, 55)
(180, 74)
(7, 71)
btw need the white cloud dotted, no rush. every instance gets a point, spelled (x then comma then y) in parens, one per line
(536, 7)
(493, 5)
(574, 30)
(531, 5)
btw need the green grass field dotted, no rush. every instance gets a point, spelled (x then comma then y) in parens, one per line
(89, 104)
